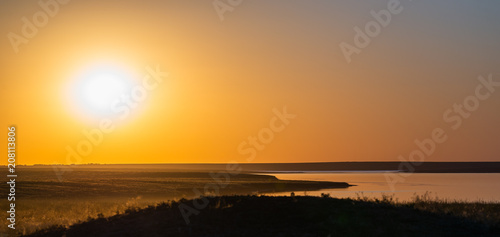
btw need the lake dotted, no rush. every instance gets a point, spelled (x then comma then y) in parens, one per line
(451, 186)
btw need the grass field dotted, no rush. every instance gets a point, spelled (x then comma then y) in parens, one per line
(297, 216)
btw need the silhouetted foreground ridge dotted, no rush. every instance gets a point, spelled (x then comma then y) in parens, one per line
(297, 216)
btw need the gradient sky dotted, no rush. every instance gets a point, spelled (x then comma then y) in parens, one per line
(226, 77)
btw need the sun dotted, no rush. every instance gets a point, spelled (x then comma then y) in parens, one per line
(101, 90)
(93, 90)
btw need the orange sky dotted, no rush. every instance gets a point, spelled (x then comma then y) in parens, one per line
(226, 77)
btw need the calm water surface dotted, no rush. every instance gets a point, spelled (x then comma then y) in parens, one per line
(467, 187)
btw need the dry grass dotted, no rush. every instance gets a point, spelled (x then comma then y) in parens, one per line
(479, 211)
(33, 215)
(297, 216)
(42, 214)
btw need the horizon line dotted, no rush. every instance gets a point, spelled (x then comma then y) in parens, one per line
(225, 163)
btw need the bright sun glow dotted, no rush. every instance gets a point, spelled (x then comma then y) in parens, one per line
(100, 91)
(95, 90)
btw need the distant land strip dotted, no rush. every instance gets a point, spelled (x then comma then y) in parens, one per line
(426, 167)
